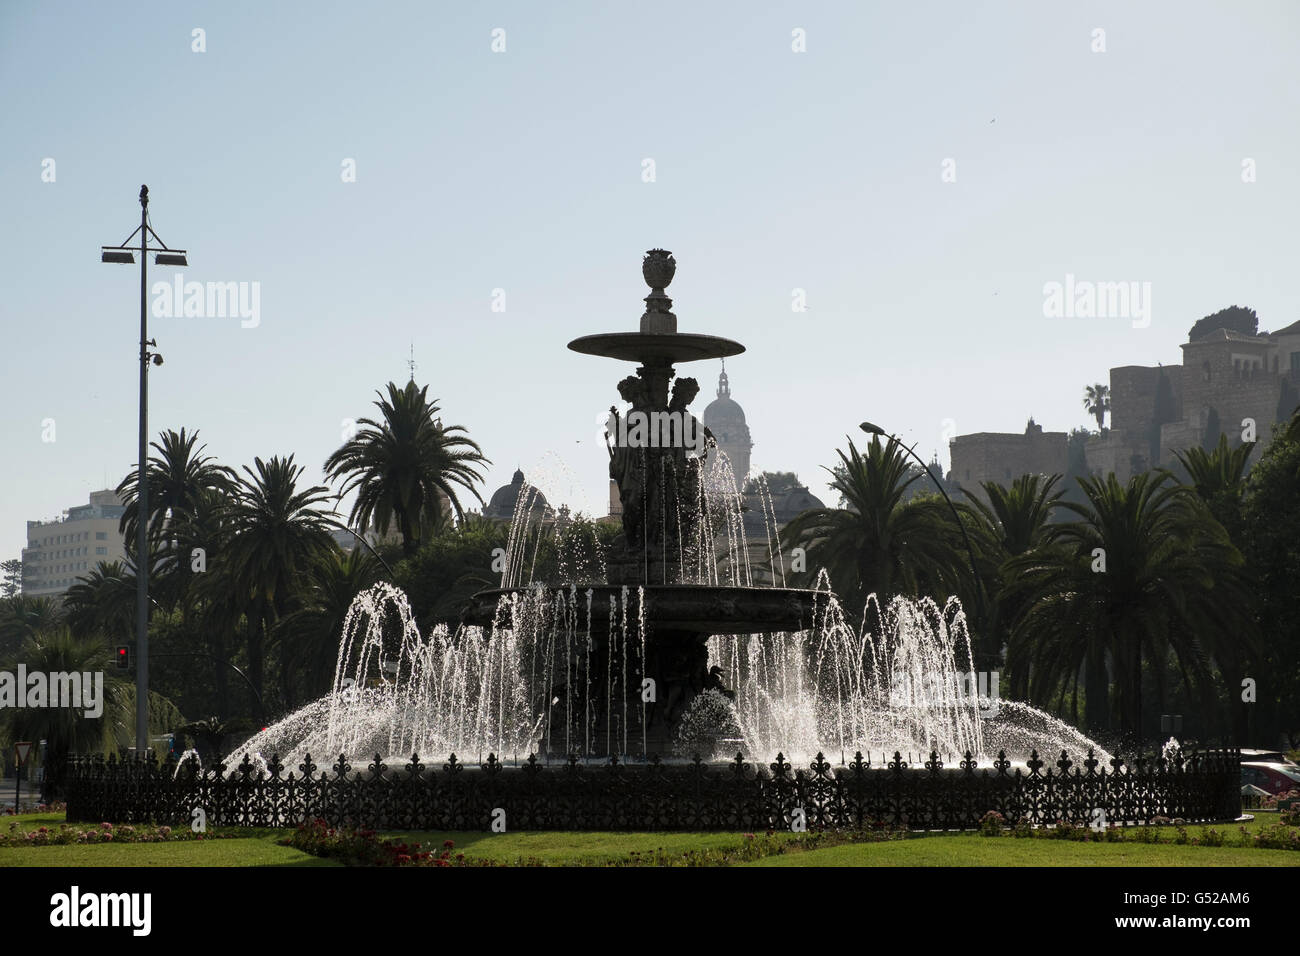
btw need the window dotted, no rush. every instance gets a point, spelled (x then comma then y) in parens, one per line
(101, 535)
(101, 550)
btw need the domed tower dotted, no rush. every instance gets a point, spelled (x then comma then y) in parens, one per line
(726, 419)
(501, 506)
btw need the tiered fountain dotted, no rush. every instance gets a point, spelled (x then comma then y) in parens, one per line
(625, 687)
(610, 664)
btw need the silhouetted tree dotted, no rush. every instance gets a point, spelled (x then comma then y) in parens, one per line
(1235, 318)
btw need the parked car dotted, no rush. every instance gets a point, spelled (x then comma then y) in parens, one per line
(1270, 775)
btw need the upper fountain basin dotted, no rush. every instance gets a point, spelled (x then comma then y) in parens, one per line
(670, 347)
(697, 608)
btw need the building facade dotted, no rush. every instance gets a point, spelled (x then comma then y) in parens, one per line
(60, 551)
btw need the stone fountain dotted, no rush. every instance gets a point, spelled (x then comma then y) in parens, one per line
(663, 649)
(657, 453)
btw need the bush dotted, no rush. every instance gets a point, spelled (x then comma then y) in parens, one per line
(992, 823)
(68, 834)
(1278, 837)
(1211, 837)
(353, 847)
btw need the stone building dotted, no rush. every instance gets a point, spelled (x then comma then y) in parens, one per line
(726, 420)
(1228, 381)
(1003, 457)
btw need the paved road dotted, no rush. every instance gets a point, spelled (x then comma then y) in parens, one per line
(31, 794)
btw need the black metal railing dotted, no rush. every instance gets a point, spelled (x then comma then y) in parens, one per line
(740, 796)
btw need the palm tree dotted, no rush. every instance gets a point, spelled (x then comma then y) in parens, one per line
(878, 543)
(1018, 518)
(1014, 520)
(179, 477)
(277, 533)
(1219, 477)
(309, 634)
(67, 730)
(1144, 569)
(1096, 399)
(23, 616)
(405, 465)
(103, 601)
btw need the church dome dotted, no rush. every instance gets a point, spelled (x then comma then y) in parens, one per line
(723, 410)
(502, 503)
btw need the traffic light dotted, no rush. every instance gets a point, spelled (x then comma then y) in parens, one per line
(123, 657)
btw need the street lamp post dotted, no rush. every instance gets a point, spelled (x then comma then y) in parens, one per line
(872, 429)
(124, 254)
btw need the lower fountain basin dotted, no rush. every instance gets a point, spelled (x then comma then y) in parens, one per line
(701, 609)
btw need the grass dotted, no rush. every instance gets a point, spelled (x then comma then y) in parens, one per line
(260, 848)
(563, 848)
(242, 851)
(251, 848)
(1003, 851)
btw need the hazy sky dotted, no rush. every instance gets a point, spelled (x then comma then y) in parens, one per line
(522, 171)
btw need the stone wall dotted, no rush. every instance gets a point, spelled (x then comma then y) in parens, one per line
(1001, 457)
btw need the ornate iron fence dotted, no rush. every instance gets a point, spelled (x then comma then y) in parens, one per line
(739, 796)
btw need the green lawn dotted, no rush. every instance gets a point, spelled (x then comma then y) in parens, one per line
(572, 849)
(244, 851)
(260, 848)
(1004, 851)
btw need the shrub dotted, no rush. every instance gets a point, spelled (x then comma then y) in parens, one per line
(1278, 837)
(67, 834)
(1211, 837)
(992, 823)
(353, 847)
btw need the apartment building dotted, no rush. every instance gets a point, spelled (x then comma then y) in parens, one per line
(60, 551)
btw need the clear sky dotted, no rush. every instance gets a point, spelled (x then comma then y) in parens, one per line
(522, 171)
